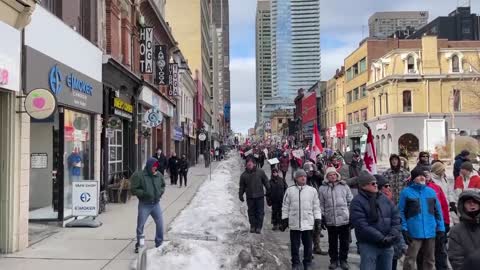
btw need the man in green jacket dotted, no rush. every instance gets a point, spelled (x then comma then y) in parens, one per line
(148, 185)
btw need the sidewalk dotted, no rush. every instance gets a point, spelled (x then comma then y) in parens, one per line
(109, 246)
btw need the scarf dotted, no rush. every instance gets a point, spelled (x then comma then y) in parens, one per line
(372, 201)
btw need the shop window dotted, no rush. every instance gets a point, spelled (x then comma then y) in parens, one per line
(457, 101)
(407, 101)
(356, 117)
(364, 114)
(455, 63)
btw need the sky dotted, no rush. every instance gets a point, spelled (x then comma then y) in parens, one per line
(341, 31)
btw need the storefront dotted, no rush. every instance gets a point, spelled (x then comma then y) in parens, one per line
(356, 137)
(63, 146)
(189, 140)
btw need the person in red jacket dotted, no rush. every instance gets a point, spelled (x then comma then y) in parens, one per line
(468, 178)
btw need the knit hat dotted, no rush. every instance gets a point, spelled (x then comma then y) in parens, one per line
(381, 181)
(418, 171)
(250, 158)
(465, 153)
(332, 170)
(365, 178)
(467, 165)
(274, 170)
(438, 168)
(299, 173)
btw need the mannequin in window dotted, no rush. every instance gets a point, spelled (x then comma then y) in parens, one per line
(75, 164)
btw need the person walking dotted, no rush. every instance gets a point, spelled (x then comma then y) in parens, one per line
(423, 159)
(284, 163)
(459, 160)
(162, 161)
(376, 222)
(335, 198)
(183, 167)
(464, 237)
(439, 177)
(254, 183)
(397, 177)
(468, 178)
(301, 213)
(422, 220)
(173, 168)
(148, 185)
(278, 186)
(399, 247)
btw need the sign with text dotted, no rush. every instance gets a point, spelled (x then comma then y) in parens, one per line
(340, 129)
(173, 79)
(38, 160)
(85, 198)
(161, 61)
(146, 50)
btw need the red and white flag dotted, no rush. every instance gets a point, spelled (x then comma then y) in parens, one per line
(285, 146)
(317, 148)
(370, 157)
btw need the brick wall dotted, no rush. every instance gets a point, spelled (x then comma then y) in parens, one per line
(113, 29)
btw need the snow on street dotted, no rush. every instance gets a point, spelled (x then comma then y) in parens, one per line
(212, 231)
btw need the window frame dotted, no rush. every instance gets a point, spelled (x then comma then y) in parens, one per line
(403, 101)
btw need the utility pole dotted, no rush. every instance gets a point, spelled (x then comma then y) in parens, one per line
(452, 108)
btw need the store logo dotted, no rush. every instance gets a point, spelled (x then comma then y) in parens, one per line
(55, 80)
(85, 197)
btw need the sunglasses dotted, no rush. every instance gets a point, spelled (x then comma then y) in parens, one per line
(424, 156)
(387, 185)
(373, 183)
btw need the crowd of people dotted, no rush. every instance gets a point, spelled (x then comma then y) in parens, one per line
(398, 213)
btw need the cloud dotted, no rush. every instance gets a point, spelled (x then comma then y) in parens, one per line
(243, 93)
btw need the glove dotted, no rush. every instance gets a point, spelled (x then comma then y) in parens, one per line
(324, 224)
(318, 224)
(407, 237)
(240, 197)
(453, 207)
(388, 240)
(440, 235)
(269, 202)
(284, 224)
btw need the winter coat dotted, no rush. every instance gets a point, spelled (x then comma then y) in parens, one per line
(284, 163)
(162, 162)
(315, 180)
(397, 178)
(470, 182)
(183, 166)
(335, 199)
(301, 206)
(459, 160)
(173, 165)
(146, 186)
(446, 187)
(368, 230)
(421, 212)
(465, 236)
(443, 201)
(252, 183)
(277, 189)
(351, 181)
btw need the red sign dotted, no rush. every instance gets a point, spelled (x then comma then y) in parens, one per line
(309, 107)
(341, 129)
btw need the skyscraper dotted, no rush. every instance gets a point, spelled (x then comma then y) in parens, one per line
(263, 56)
(295, 47)
(385, 24)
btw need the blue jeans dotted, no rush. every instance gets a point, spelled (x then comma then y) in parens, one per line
(146, 209)
(375, 258)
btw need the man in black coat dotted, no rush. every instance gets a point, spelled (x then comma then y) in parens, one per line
(183, 169)
(252, 182)
(173, 168)
(277, 191)
(162, 160)
(377, 224)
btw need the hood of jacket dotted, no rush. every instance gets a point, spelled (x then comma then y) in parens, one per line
(327, 183)
(466, 195)
(150, 164)
(348, 157)
(396, 168)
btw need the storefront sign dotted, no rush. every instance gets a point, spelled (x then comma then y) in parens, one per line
(178, 134)
(153, 118)
(161, 60)
(10, 57)
(381, 126)
(122, 105)
(38, 160)
(146, 50)
(173, 79)
(40, 104)
(202, 137)
(340, 129)
(70, 87)
(85, 198)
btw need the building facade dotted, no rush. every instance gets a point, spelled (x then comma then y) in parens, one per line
(263, 57)
(418, 94)
(385, 24)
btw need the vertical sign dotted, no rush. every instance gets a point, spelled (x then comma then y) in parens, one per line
(161, 60)
(173, 79)
(146, 50)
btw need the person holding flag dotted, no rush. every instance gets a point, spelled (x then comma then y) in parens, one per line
(370, 157)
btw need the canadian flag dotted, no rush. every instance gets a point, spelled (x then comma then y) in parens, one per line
(370, 157)
(285, 146)
(317, 148)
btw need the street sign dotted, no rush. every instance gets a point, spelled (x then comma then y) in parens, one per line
(202, 137)
(85, 198)
(454, 130)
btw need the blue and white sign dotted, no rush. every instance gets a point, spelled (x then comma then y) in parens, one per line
(153, 118)
(85, 198)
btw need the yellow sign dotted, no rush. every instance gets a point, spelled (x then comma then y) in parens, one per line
(122, 105)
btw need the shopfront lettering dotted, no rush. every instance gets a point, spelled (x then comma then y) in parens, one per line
(146, 50)
(122, 105)
(76, 84)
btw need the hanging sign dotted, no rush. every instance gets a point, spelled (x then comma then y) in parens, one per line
(40, 104)
(173, 79)
(85, 198)
(202, 137)
(161, 60)
(153, 118)
(146, 50)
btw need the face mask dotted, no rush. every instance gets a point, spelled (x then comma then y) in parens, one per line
(422, 183)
